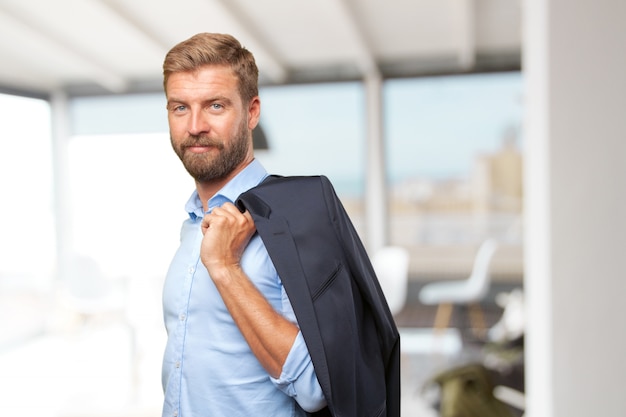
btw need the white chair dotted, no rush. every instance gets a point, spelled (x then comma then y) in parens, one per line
(465, 292)
(391, 264)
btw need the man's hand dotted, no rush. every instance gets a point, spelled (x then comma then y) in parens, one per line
(227, 232)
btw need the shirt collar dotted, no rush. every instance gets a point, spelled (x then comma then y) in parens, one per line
(250, 177)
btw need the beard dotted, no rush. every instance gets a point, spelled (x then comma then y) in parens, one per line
(208, 166)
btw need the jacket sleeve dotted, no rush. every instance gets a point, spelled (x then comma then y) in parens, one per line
(298, 379)
(365, 277)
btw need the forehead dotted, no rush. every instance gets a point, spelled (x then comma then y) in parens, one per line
(208, 79)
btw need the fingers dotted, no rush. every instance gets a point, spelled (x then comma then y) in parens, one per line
(228, 213)
(226, 233)
(228, 207)
(247, 215)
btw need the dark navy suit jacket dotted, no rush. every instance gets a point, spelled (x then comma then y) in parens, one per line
(343, 316)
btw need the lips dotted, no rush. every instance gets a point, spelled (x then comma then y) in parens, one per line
(198, 148)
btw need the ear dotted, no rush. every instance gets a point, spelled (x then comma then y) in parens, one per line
(254, 112)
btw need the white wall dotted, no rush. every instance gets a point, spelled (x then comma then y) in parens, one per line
(575, 69)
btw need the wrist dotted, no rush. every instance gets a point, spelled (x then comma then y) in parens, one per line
(222, 270)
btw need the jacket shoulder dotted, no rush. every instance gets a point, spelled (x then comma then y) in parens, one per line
(293, 180)
(294, 186)
(290, 196)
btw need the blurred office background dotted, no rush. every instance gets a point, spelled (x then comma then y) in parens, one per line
(442, 124)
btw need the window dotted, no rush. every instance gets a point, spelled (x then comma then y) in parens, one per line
(27, 241)
(454, 158)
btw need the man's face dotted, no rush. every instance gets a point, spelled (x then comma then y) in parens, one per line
(210, 127)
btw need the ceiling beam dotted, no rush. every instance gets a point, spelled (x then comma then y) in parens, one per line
(135, 23)
(366, 61)
(99, 72)
(467, 34)
(272, 67)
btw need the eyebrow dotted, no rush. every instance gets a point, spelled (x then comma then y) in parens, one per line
(211, 100)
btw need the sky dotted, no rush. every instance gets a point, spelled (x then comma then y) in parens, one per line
(437, 125)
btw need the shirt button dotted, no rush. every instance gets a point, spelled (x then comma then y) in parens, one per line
(177, 364)
(182, 317)
(190, 270)
(175, 414)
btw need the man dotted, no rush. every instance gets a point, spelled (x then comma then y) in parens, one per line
(235, 347)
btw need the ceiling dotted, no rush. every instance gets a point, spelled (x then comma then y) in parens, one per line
(117, 46)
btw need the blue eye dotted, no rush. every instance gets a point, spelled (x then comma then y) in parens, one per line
(177, 108)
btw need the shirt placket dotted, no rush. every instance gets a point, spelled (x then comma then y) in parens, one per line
(183, 312)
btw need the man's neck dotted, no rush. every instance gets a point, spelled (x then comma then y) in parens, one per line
(206, 190)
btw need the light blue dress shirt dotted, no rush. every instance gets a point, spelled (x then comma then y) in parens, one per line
(208, 367)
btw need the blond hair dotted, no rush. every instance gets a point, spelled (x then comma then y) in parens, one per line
(214, 49)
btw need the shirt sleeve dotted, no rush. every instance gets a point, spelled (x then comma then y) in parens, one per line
(298, 379)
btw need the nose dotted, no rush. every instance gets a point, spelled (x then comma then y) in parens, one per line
(198, 123)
